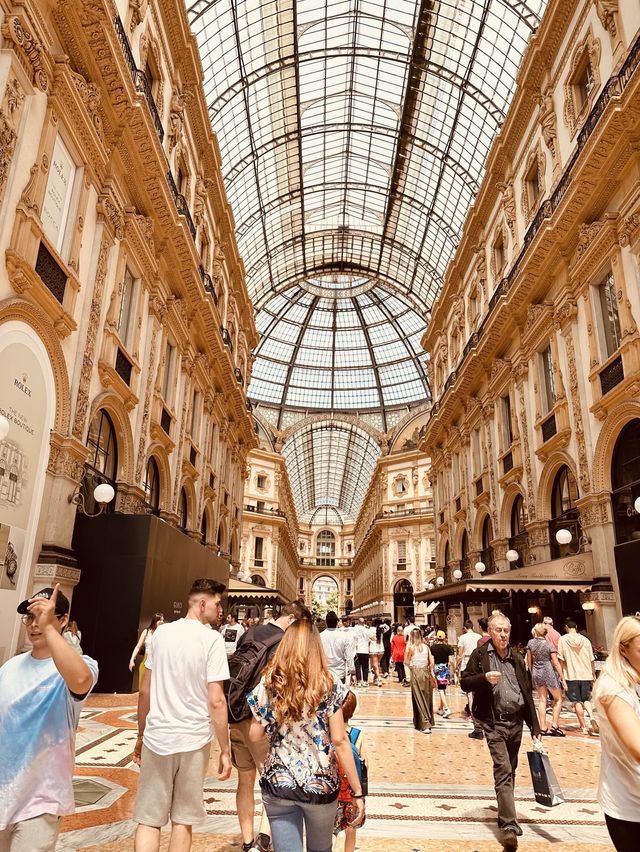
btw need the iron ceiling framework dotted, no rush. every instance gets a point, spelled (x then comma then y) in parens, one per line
(354, 135)
(333, 464)
(354, 132)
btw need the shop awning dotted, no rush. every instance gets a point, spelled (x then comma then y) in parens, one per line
(573, 574)
(240, 589)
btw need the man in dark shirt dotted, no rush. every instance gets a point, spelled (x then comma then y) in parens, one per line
(246, 755)
(502, 701)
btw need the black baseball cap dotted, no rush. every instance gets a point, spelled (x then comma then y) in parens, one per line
(62, 602)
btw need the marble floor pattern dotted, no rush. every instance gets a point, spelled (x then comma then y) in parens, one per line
(427, 793)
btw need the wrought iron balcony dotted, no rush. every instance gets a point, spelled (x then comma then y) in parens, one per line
(139, 77)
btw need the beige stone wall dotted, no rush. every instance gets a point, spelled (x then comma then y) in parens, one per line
(556, 216)
(117, 243)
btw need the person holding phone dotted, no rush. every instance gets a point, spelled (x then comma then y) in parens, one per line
(502, 702)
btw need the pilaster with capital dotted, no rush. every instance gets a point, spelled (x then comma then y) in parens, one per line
(521, 373)
(566, 314)
(65, 469)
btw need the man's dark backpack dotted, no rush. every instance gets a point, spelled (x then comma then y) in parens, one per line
(245, 670)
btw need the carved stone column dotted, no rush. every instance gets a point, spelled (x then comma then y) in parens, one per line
(538, 532)
(500, 547)
(56, 561)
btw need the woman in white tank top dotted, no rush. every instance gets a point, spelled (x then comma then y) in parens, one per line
(418, 657)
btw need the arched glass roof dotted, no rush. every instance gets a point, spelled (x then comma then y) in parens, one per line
(330, 464)
(354, 136)
(354, 348)
(354, 133)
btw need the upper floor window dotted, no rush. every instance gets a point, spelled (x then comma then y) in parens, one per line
(127, 310)
(59, 198)
(258, 550)
(507, 424)
(476, 451)
(326, 548)
(499, 254)
(183, 510)
(583, 81)
(103, 445)
(548, 383)
(168, 382)
(609, 318)
(152, 485)
(532, 184)
(402, 553)
(195, 414)
(261, 481)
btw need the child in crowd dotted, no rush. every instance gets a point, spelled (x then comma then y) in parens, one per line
(398, 648)
(346, 812)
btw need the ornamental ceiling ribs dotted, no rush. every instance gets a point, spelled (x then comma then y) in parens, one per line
(354, 136)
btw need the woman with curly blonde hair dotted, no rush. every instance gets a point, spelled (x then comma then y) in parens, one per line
(298, 706)
(617, 699)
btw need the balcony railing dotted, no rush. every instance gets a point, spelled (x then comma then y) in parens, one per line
(520, 543)
(226, 338)
(208, 284)
(611, 375)
(181, 203)
(139, 77)
(486, 556)
(403, 513)
(264, 510)
(570, 521)
(614, 88)
(549, 428)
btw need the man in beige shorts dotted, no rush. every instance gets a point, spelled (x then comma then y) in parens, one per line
(176, 708)
(248, 756)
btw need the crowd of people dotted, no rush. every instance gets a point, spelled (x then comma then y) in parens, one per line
(279, 698)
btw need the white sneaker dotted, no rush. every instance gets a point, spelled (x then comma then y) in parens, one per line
(426, 730)
(446, 713)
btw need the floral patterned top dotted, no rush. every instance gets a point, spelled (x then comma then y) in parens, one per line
(301, 764)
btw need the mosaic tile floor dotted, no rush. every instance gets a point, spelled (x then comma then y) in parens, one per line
(428, 794)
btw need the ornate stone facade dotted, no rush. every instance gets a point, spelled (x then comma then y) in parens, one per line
(547, 324)
(110, 262)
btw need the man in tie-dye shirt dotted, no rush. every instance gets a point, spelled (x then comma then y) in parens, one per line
(41, 696)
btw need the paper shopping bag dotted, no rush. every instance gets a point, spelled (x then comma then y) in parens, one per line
(545, 784)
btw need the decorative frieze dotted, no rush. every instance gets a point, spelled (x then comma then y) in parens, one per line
(29, 50)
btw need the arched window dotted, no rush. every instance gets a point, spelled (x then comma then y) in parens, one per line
(152, 486)
(486, 555)
(564, 514)
(203, 528)
(625, 483)
(220, 539)
(519, 540)
(183, 510)
(103, 446)
(517, 516)
(326, 548)
(102, 464)
(446, 570)
(257, 580)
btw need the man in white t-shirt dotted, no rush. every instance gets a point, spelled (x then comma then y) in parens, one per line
(360, 635)
(41, 696)
(180, 697)
(231, 633)
(467, 643)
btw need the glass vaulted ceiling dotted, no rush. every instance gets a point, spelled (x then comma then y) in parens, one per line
(354, 133)
(354, 349)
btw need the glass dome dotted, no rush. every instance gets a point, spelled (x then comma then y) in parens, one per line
(339, 353)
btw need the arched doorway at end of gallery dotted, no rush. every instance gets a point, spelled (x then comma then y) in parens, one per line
(403, 601)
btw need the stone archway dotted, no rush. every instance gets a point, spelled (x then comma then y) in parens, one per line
(403, 600)
(325, 595)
